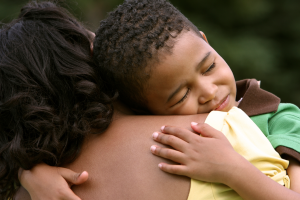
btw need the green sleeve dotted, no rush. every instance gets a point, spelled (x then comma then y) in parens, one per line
(284, 127)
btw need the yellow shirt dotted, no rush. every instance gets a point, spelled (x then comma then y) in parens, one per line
(248, 140)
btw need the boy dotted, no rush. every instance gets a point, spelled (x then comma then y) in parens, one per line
(170, 68)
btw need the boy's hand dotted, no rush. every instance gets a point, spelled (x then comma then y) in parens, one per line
(208, 158)
(47, 183)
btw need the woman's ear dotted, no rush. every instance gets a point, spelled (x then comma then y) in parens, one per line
(91, 36)
(204, 36)
(92, 48)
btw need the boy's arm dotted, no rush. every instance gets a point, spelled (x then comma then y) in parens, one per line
(294, 173)
(284, 134)
(205, 162)
(46, 182)
(250, 183)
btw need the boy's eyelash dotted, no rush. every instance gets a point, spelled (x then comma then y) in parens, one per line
(210, 68)
(188, 91)
(184, 97)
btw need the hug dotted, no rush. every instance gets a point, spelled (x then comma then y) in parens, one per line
(68, 104)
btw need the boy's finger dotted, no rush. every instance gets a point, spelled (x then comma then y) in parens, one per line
(169, 154)
(173, 169)
(170, 140)
(83, 177)
(70, 195)
(206, 130)
(72, 177)
(181, 133)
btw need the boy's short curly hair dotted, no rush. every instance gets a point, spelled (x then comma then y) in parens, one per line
(127, 43)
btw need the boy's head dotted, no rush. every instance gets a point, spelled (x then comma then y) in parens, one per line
(148, 51)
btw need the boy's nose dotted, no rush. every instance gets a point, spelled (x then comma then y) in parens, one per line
(207, 93)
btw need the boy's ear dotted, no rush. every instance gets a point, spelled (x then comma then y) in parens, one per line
(204, 36)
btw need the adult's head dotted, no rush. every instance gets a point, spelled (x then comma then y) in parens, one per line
(129, 40)
(50, 91)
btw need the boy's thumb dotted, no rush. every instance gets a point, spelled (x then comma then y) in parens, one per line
(205, 130)
(72, 177)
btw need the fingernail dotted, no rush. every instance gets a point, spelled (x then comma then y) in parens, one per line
(162, 128)
(152, 148)
(160, 165)
(155, 135)
(194, 123)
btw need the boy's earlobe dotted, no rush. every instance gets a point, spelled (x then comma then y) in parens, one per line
(204, 36)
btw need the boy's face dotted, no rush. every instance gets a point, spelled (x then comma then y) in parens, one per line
(193, 79)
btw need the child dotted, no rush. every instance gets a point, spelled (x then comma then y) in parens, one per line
(161, 64)
(170, 68)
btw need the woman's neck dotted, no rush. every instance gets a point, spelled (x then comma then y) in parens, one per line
(121, 109)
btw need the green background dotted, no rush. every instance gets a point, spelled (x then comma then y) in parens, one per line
(257, 38)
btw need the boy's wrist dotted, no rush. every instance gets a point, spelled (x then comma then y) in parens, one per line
(233, 175)
(245, 179)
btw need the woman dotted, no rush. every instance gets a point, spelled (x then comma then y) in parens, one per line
(51, 95)
(50, 91)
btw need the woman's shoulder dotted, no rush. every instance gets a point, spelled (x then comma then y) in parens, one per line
(121, 166)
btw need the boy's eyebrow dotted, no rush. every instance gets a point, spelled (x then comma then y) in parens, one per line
(203, 60)
(197, 68)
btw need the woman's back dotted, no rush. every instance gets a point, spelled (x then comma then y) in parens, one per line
(121, 166)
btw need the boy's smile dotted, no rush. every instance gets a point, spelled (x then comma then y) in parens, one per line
(193, 79)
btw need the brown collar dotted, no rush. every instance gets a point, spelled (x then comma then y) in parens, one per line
(256, 101)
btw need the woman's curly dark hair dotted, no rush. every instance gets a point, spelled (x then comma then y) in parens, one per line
(50, 91)
(127, 43)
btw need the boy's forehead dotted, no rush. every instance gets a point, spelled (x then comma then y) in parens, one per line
(184, 44)
(183, 40)
(188, 51)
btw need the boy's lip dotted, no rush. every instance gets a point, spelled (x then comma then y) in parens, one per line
(222, 104)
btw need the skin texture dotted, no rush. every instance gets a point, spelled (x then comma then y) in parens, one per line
(125, 148)
(193, 79)
(294, 173)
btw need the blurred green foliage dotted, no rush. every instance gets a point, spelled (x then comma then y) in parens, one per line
(257, 38)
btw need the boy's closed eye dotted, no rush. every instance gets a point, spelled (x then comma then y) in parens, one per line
(211, 67)
(184, 97)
